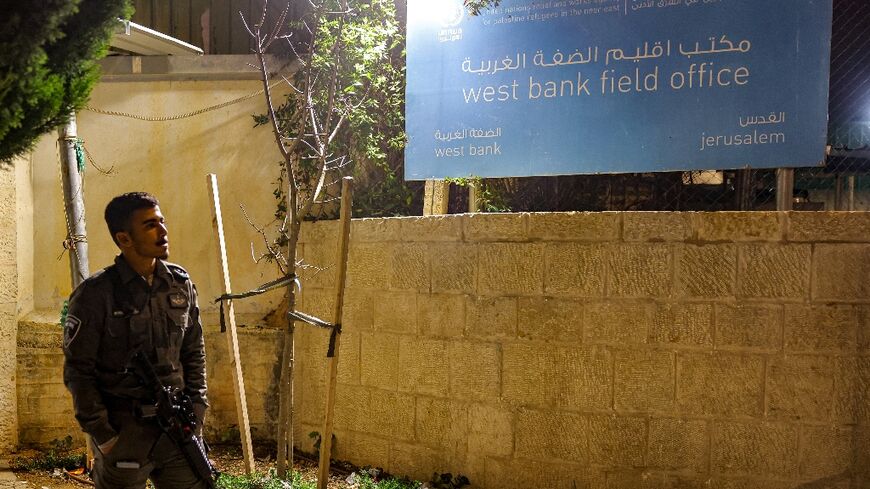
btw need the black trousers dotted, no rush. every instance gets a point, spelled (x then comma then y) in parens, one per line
(142, 452)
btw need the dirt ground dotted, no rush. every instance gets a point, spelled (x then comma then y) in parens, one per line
(226, 458)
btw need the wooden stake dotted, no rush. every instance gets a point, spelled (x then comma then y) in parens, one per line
(332, 368)
(232, 337)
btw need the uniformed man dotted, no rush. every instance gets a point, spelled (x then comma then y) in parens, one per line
(140, 303)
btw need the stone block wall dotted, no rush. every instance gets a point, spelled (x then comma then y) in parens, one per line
(44, 405)
(8, 308)
(606, 350)
(601, 350)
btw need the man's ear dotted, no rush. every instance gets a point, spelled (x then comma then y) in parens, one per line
(124, 240)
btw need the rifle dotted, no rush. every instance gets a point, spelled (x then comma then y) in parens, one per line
(174, 412)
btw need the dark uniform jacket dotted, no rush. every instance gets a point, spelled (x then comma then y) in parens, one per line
(105, 326)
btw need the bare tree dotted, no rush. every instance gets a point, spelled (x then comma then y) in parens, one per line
(329, 85)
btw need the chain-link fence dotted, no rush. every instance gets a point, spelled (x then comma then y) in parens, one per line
(841, 182)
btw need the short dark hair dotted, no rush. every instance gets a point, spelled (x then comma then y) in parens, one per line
(121, 209)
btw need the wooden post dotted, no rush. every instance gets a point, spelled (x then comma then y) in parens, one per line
(784, 189)
(232, 337)
(435, 195)
(332, 368)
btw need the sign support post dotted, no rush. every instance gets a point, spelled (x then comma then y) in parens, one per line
(435, 196)
(784, 189)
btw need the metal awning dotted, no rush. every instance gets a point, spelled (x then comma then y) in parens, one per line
(142, 41)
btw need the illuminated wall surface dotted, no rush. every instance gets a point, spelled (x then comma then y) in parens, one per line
(588, 86)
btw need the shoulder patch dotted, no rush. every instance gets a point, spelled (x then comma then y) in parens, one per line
(178, 272)
(71, 328)
(178, 300)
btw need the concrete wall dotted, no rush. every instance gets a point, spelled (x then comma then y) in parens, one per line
(607, 350)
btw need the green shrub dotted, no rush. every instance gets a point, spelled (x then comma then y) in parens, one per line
(269, 480)
(48, 64)
(60, 455)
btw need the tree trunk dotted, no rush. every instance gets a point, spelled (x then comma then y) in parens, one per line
(285, 410)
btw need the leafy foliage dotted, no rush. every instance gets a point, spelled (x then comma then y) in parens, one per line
(60, 455)
(315, 435)
(268, 480)
(490, 198)
(476, 6)
(375, 479)
(370, 98)
(47, 65)
(344, 56)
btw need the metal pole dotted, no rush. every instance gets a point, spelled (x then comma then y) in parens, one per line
(73, 203)
(784, 189)
(850, 193)
(838, 193)
(742, 184)
(74, 212)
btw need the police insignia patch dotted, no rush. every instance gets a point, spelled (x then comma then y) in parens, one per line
(71, 329)
(177, 300)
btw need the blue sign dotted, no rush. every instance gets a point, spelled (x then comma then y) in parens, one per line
(558, 87)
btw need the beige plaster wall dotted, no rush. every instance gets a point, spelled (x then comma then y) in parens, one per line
(607, 350)
(169, 159)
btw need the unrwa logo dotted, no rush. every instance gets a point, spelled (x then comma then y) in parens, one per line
(452, 13)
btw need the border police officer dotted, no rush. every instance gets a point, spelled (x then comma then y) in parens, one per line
(140, 303)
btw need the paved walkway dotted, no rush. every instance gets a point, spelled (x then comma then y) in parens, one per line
(8, 480)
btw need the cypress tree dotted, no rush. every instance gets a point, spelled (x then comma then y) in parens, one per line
(48, 53)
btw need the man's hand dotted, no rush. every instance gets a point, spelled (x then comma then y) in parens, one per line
(106, 447)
